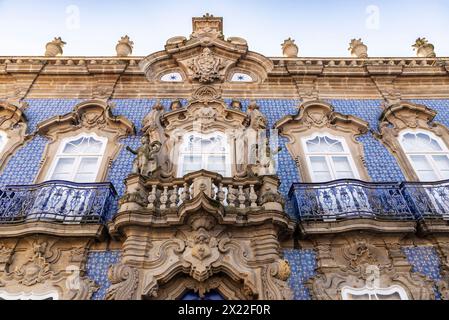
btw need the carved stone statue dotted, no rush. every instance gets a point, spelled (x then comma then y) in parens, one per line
(152, 123)
(266, 164)
(255, 119)
(146, 162)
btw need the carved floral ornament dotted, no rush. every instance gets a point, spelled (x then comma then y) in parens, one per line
(13, 125)
(402, 116)
(203, 255)
(37, 272)
(359, 265)
(318, 116)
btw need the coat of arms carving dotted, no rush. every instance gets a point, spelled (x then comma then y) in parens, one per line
(206, 67)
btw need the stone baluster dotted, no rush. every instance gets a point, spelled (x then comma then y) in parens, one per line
(152, 198)
(241, 198)
(174, 197)
(221, 194)
(252, 196)
(185, 194)
(231, 196)
(164, 199)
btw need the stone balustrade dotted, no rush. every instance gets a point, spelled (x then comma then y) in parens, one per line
(232, 193)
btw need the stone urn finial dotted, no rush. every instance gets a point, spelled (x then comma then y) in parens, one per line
(124, 47)
(358, 49)
(54, 48)
(289, 48)
(424, 49)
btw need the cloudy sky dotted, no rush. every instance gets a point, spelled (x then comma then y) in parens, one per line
(320, 27)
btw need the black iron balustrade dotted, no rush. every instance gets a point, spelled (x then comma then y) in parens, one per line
(349, 199)
(428, 200)
(58, 201)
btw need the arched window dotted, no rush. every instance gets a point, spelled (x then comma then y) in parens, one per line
(3, 140)
(241, 77)
(328, 158)
(172, 77)
(209, 152)
(427, 154)
(78, 159)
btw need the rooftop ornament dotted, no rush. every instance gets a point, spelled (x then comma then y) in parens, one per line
(424, 49)
(124, 47)
(54, 48)
(289, 48)
(358, 49)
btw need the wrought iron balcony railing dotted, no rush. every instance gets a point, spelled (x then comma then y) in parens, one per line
(349, 199)
(346, 199)
(57, 201)
(427, 200)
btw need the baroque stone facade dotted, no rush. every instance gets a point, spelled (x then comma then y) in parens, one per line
(208, 169)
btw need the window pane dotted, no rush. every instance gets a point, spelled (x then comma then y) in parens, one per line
(324, 144)
(320, 169)
(420, 142)
(63, 169)
(87, 170)
(88, 165)
(83, 145)
(342, 168)
(442, 163)
(217, 164)
(423, 168)
(191, 163)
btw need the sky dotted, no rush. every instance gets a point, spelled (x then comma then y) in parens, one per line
(321, 28)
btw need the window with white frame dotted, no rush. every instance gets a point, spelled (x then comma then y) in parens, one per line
(209, 152)
(427, 154)
(3, 140)
(78, 159)
(328, 158)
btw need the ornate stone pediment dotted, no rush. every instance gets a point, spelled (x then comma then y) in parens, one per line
(320, 114)
(90, 114)
(206, 57)
(12, 116)
(405, 115)
(13, 123)
(204, 113)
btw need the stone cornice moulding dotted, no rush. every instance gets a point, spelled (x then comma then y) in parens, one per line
(273, 66)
